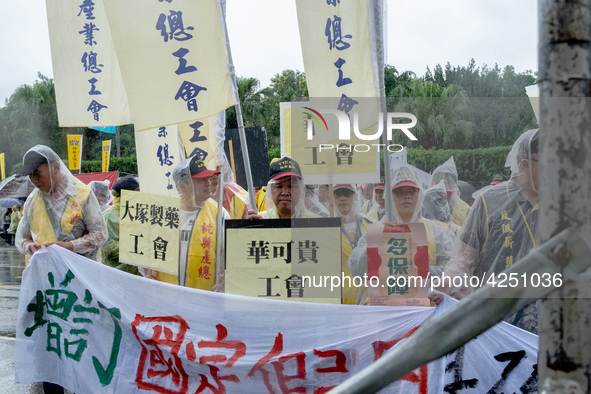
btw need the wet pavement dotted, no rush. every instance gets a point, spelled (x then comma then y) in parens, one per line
(12, 264)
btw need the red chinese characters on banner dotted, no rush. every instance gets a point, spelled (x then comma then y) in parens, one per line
(421, 379)
(159, 365)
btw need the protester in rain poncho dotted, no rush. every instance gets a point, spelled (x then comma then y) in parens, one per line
(286, 192)
(436, 209)
(408, 200)
(198, 228)
(502, 225)
(110, 250)
(378, 211)
(61, 210)
(235, 200)
(367, 201)
(313, 203)
(353, 226)
(102, 193)
(15, 218)
(449, 174)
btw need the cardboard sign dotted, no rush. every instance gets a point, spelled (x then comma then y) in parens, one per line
(149, 231)
(399, 257)
(270, 258)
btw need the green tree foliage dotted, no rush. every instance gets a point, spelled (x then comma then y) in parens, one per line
(251, 104)
(29, 117)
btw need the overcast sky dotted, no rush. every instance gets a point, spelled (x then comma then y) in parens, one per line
(265, 40)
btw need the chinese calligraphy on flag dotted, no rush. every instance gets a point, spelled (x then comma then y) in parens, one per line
(88, 85)
(173, 59)
(106, 155)
(74, 151)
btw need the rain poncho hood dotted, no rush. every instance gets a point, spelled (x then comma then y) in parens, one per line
(352, 215)
(435, 205)
(298, 193)
(313, 203)
(402, 174)
(65, 210)
(101, 191)
(448, 173)
(191, 196)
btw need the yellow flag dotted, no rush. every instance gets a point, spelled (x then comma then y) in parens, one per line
(2, 166)
(200, 138)
(88, 85)
(106, 154)
(173, 58)
(74, 151)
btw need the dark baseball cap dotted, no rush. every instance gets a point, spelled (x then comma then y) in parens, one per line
(283, 168)
(199, 170)
(498, 178)
(31, 161)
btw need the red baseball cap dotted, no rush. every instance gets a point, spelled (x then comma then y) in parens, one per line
(405, 183)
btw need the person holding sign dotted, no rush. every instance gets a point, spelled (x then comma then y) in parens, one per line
(353, 226)
(448, 173)
(197, 262)
(61, 211)
(286, 192)
(110, 250)
(408, 200)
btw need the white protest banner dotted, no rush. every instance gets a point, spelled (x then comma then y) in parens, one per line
(284, 259)
(94, 329)
(173, 59)
(149, 231)
(158, 153)
(88, 85)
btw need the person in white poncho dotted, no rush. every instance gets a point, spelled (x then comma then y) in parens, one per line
(408, 200)
(61, 210)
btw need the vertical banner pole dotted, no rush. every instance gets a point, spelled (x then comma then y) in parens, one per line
(117, 140)
(219, 265)
(243, 144)
(380, 46)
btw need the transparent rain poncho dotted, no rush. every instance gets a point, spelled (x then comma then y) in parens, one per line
(102, 193)
(447, 173)
(296, 193)
(351, 220)
(401, 174)
(438, 256)
(312, 202)
(61, 208)
(502, 224)
(435, 204)
(198, 210)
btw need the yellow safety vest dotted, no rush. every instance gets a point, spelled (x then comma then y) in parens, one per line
(201, 257)
(261, 199)
(460, 212)
(349, 292)
(41, 229)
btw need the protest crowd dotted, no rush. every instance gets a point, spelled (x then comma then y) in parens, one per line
(483, 239)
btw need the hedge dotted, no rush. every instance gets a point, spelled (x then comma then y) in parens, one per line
(475, 166)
